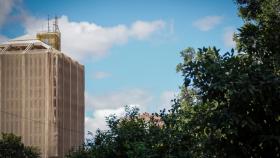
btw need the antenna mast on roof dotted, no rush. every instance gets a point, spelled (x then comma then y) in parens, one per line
(48, 23)
(55, 25)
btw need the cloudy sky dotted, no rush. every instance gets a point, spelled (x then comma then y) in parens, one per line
(130, 49)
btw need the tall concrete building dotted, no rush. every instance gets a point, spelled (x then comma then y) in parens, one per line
(41, 94)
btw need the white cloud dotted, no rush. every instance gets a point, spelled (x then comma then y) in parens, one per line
(119, 99)
(6, 7)
(3, 38)
(228, 37)
(113, 103)
(165, 100)
(142, 29)
(11, 11)
(101, 75)
(84, 39)
(207, 23)
(98, 119)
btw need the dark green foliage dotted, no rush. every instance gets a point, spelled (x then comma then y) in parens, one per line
(12, 147)
(81, 152)
(238, 107)
(132, 136)
(238, 93)
(260, 35)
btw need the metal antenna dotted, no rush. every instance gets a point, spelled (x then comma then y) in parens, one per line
(48, 23)
(53, 29)
(55, 24)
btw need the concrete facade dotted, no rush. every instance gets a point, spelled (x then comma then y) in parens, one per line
(41, 96)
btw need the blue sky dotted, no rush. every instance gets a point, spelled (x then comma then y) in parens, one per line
(130, 48)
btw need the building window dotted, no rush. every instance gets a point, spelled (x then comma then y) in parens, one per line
(54, 92)
(54, 103)
(54, 82)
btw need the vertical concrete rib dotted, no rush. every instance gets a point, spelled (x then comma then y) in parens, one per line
(1, 112)
(70, 103)
(46, 103)
(63, 102)
(23, 94)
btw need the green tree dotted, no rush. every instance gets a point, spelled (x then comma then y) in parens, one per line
(80, 152)
(133, 136)
(12, 147)
(236, 112)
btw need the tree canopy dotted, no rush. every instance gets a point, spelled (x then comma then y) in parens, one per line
(12, 147)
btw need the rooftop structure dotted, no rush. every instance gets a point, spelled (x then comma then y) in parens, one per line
(41, 94)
